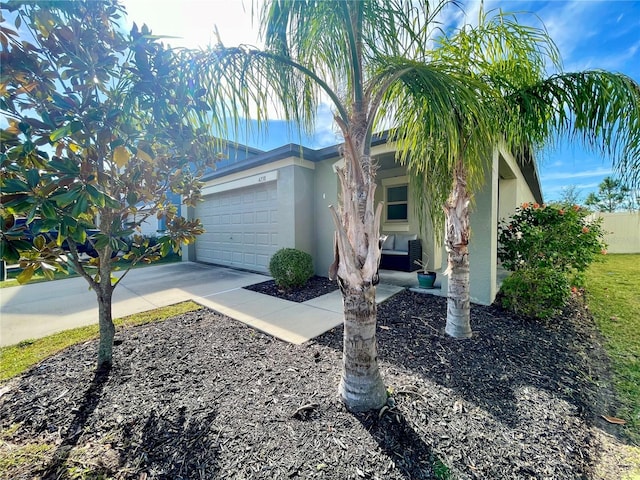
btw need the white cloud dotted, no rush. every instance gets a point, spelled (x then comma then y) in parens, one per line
(599, 172)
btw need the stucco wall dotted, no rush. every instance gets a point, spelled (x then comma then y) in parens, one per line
(623, 231)
(295, 208)
(325, 194)
(513, 187)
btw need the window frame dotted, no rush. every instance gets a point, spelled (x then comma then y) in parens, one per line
(396, 182)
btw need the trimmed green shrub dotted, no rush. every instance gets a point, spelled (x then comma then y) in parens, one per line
(291, 268)
(535, 292)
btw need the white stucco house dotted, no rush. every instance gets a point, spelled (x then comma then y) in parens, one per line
(257, 202)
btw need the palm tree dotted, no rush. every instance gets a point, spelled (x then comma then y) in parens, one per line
(337, 49)
(529, 109)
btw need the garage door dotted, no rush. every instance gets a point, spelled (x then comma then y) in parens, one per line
(241, 227)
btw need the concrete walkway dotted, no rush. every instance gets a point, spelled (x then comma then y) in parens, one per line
(38, 310)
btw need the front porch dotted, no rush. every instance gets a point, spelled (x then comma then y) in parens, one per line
(409, 280)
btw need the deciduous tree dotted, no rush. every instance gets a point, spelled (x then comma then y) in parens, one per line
(98, 123)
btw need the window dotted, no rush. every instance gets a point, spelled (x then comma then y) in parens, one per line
(397, 203)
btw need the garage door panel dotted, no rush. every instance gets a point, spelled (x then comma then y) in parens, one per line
(241, 227)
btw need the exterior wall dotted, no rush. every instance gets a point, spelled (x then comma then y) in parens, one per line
(295, 186)
(295, 208)
(483, 245)
(430, 249)
(325, 194)
(623, 231)
(307, 188)
(513, 187)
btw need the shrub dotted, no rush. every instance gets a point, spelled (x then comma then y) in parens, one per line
(290, 268)
(535, 292)
(554, 236)
(548, 248)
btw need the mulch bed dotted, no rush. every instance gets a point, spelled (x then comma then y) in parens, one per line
(315, 287)
(204, 396)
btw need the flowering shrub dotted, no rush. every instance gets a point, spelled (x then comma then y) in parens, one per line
(553, 236)
(547, 248)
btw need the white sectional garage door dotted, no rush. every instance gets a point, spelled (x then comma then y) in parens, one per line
(241, 227)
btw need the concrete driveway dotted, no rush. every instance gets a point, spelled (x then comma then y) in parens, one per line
(40, 309)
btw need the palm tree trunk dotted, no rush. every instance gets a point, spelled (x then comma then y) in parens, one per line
(361, 386)
(457, 246)
(356, 268)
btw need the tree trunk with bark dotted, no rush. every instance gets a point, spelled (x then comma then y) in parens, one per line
(457, 246)
(356, 267)
(361, 385)
(105, 322)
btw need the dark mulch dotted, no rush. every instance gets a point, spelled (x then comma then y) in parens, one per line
(203, 396)
(315, 287)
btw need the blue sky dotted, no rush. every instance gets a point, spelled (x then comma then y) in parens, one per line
(590, 34)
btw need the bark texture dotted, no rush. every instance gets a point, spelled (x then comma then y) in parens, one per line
(457, 246)
(361, 386)
(356, 265)
(107, 328)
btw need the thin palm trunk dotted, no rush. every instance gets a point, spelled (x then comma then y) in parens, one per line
(457, 246)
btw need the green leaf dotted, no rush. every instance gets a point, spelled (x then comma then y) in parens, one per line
(39, 242)
(66, 198)
(100, 240)
(48, 210)
(76, 126)
(26, 274)
(96, 196)
(8, 251)
(59, 133)
(79, 236)
(14, 185)
(111, 202)
(132, 197)
(81, 205)
(33, 178)
(165, 248)
(116, 143)
(64, 165)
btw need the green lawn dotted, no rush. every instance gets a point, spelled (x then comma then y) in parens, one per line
(613, 296)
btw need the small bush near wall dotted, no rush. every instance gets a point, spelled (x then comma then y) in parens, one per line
(548, 249)
(291, 268)
(535, 292)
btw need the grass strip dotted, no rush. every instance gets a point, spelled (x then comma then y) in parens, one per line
(16, 359)
(613, 296)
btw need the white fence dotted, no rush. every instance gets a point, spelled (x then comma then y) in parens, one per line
(623, 231)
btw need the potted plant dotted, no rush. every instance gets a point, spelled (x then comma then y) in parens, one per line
(426, 277)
